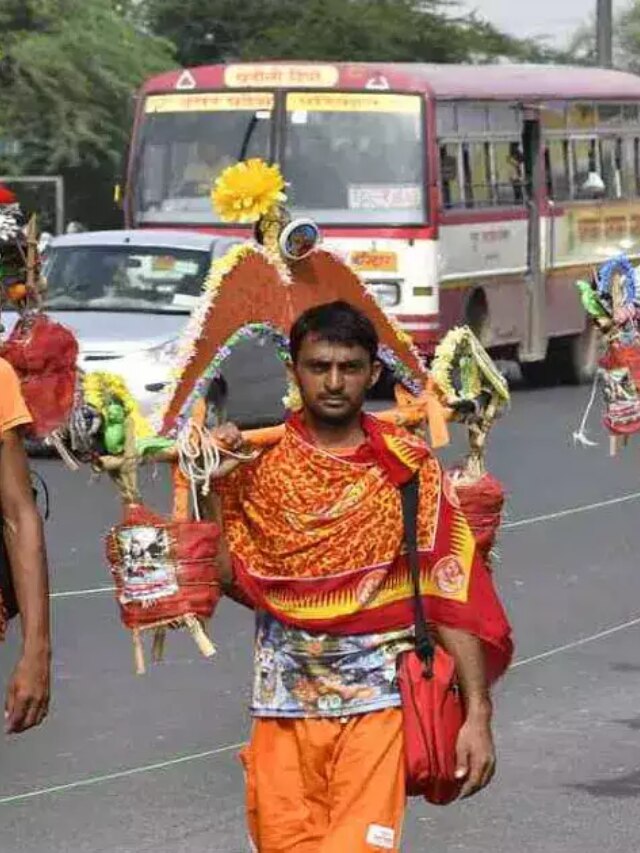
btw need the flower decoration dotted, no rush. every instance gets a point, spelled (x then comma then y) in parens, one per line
(461, 350)
(9, 225)
(101, 390)
(248, 191)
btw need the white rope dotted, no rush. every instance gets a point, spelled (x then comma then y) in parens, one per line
(198, 458)
(580, 436)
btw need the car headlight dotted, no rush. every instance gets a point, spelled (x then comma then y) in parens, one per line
(386, 293)
(164, 354)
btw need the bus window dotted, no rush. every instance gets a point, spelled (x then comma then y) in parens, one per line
(629, 168)
(609, 115)
(558, 170)
(472, 119)
(508, 173)
(586, 170)
(581, 116)
(505, 119)
(450, 184)
(355, 158)
(477, 173)
(446, 118)
(554, 116)
(612, 175)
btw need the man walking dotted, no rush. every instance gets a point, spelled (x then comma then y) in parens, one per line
(27, 695)
(313, 537)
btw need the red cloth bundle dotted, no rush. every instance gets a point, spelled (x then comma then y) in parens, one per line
(44, 355)
(622, 412)
(164, 570)
(620, 356)
(482, 503)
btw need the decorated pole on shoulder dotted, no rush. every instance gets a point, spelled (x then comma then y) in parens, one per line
(477, 394)
(164, 567)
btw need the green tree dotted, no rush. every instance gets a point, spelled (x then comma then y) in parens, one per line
(68, 70)
(207, 31)
(626, 40)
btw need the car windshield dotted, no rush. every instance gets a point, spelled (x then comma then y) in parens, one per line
(124, 278)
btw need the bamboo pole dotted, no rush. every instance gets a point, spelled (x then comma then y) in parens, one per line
(426, 409)
(32, 259)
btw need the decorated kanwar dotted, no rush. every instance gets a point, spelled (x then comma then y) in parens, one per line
(612, 304)
(379, 629)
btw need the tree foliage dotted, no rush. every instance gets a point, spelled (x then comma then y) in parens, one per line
(626, 40)
(68, 71)
(207, 31)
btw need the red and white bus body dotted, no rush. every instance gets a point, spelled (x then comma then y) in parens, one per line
(462, 194)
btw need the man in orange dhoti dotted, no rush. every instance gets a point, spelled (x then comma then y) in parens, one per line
(314, 535)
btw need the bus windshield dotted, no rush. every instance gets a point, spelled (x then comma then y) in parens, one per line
(185, 141)
(353, 158)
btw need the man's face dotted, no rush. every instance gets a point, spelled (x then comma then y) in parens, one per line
(334, 379)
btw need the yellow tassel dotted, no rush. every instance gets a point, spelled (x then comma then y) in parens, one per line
(293, 399)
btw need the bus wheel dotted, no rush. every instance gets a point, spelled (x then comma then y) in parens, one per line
(536, 374)
(574, 359)
(477, 315)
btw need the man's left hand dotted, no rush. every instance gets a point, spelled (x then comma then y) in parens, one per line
(27, 700)
(475, 754)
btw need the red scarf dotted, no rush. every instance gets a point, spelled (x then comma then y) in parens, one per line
(317, 540)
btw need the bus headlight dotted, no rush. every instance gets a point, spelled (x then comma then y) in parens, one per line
(386, 293)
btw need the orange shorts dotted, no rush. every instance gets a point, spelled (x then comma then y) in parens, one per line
(326, 786)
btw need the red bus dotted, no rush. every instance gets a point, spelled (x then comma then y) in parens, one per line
(462, 194)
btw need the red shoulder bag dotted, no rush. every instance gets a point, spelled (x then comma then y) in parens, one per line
(431, 701)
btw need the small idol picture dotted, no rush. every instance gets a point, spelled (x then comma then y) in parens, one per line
(148, 570)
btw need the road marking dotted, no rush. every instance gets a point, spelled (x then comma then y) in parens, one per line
(122, 774)
(509, 525)
(184, 759)
(576, 643)
(74, 593)
(576, 510)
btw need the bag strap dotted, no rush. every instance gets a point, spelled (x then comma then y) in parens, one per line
(410, 495)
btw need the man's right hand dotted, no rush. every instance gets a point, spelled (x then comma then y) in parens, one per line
(27, 698)
(228, 437)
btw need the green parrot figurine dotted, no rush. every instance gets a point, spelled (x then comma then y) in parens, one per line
(114, 433)
(590, 300)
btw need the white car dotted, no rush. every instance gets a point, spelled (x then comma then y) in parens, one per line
(128, 294)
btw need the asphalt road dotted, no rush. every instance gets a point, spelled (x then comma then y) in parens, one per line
(130, 763)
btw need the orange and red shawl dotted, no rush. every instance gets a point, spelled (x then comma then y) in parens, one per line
(316, 540)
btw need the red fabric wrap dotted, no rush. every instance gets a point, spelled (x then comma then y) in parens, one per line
(620, 356)
(482, 503)
(622, 417)
(191, 561)
(44, 354)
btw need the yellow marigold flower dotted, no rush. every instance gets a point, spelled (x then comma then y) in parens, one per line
(247, 191)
